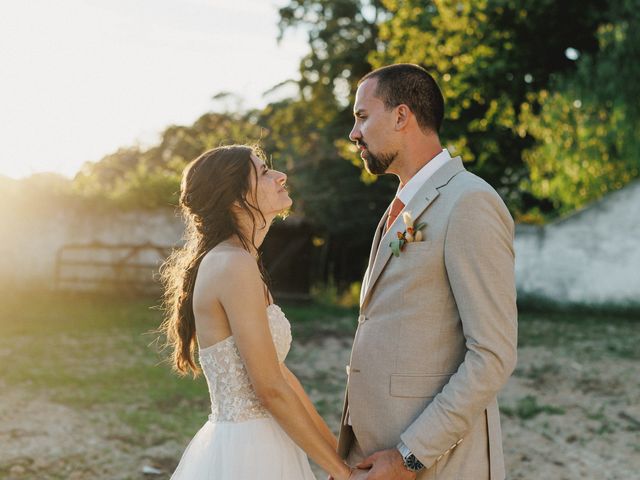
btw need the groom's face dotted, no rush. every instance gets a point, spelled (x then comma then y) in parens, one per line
(373, 129)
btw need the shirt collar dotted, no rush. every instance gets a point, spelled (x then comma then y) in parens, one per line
(406, 192)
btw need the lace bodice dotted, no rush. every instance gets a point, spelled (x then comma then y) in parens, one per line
(233, 398)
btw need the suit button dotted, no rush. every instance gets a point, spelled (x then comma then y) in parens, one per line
(348, 369)
(361, 319)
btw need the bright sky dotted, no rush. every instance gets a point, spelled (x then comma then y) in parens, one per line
(80, 78)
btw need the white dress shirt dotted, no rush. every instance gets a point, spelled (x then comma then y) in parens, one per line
(406, 192)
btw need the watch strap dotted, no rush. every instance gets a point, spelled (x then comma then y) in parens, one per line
(411, 462)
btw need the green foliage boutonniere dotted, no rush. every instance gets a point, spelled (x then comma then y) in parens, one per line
(411, 234)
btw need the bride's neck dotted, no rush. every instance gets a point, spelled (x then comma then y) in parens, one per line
(258, 237)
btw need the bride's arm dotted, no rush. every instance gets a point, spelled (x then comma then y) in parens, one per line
(319, 422)
(241, 295)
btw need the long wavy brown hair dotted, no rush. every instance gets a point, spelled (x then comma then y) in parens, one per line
(211, 185)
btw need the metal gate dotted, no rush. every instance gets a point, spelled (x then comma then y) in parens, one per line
(100, 266)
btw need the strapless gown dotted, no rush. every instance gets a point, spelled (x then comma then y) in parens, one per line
(241, 440)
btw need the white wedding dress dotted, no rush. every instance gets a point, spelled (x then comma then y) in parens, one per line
(241, 440)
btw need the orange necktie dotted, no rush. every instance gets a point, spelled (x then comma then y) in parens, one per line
(396, 208)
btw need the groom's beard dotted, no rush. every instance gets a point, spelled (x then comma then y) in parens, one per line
(378, 164)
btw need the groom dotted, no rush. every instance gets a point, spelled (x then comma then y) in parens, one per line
(437, 330)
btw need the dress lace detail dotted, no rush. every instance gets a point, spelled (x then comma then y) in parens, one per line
(233, 398)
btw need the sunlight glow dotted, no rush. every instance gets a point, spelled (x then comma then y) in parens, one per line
(81, 78)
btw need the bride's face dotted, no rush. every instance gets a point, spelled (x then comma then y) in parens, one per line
(270, 187)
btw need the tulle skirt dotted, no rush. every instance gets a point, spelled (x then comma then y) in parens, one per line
(254, 449)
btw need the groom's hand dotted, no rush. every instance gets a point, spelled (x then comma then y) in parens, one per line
(355, 475)
(386, 464)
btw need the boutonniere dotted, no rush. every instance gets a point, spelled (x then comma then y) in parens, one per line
(411, 234)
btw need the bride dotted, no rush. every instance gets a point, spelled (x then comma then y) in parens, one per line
(218, 305)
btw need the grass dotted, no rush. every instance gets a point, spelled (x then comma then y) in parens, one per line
(87, 351)
(528, 407)
(316, 320)
(585, 335)
(92, 351)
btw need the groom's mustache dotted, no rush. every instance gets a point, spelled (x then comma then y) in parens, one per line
(360, 144)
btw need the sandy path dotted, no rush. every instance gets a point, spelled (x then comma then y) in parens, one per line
(562, 420)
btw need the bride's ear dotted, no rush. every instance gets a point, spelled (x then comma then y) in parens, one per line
(235, 206)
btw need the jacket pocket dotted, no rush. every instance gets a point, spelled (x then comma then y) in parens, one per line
(417, 385)
(415, 249)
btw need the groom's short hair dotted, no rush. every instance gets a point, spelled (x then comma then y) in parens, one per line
(411, 85)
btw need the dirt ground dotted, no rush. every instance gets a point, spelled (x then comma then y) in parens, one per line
(564, 417)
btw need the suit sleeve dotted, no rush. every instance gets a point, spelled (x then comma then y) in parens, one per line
(479, 261)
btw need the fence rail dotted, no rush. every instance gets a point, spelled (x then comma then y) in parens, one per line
(97, 265)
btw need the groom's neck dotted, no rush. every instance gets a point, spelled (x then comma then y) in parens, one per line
(415, 155)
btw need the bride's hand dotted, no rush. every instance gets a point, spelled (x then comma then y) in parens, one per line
(354, 474)
(346, 476)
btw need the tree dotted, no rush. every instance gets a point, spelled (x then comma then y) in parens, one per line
(587, 125)
(341, 35)
(309, 133)
(487, 56)
(136, 178)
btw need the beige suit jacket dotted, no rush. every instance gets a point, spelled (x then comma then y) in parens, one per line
(437, 333)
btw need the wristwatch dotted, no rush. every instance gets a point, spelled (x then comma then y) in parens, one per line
(411, 462)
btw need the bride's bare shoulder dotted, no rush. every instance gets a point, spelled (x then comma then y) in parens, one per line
(228, 263)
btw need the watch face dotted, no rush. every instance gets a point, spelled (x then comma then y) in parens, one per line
(413, 463)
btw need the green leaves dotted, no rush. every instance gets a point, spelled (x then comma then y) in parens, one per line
(136, 178)
(587, 127)
(397, 246)
(489, 57)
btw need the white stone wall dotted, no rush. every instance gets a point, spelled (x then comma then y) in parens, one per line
(589, 258)
(30, 241)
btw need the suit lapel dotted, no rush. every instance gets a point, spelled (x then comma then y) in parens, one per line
(374, 249)
(424, 197)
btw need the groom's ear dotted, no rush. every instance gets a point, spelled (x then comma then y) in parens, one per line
(403, 113)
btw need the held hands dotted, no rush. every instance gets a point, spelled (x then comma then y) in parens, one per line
(358, 473)
(354, 474)
(380, 466)
(386, 464)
